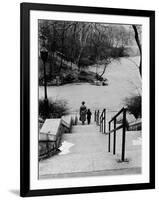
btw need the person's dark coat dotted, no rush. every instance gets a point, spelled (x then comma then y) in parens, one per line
(89, 116)
(83, 112)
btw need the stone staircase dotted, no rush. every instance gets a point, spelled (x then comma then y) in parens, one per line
(84, 152)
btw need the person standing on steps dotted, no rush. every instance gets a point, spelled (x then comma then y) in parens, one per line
(83, 112)
(89, 116)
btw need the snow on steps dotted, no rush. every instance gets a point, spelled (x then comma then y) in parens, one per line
(86, 152)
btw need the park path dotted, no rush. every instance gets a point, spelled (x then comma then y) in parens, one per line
(84, 153)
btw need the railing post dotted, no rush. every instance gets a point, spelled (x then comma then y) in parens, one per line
(102, 124)
(47, 144)
(109, 137)
(123, 136)
(100, 120)
(95, 116)
(114, 142)
(104, 119)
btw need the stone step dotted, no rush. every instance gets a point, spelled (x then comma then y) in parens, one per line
(85, 144)
(88, 162)
(85, 150)
(85, 128)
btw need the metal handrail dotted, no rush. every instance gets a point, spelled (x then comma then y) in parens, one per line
(96, 117)
(103, 121)
(123, 126)
(115, 116)
(100, 119)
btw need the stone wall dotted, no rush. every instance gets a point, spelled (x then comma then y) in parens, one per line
(50, 136)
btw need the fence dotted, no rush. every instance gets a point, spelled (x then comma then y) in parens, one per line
(100, 120)
(103, 121)
(96, 117)
(123, 126)
(135, 126)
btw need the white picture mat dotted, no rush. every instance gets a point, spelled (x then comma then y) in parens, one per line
(86, 181)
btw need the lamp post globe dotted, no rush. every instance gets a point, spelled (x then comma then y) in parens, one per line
(44, 56)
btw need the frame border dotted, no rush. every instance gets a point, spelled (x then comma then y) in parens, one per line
(25, 9)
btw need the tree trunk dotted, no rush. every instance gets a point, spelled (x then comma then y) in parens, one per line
(103, 70)
(83, 43)
(139, 46)
(79, 57)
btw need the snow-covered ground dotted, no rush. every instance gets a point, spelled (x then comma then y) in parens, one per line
(123, 81)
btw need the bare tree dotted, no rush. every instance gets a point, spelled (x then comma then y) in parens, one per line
(102, 40)
(83, 35)
(139, 46)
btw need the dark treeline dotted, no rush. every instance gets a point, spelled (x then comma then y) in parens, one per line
(84, 43)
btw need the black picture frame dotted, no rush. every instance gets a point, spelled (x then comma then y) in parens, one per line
(25, 9)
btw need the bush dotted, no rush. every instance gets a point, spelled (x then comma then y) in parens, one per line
(86, 76)
(84, 62)
(134, 105)
(118, 52)
(83, 73)
(99, 78)
(69, 78)
(50, 109)
(49, 78)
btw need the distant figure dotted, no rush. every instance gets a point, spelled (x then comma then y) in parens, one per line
(89, 116)
(83, 112)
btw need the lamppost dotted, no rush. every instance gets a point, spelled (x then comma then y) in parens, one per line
(44, 56)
